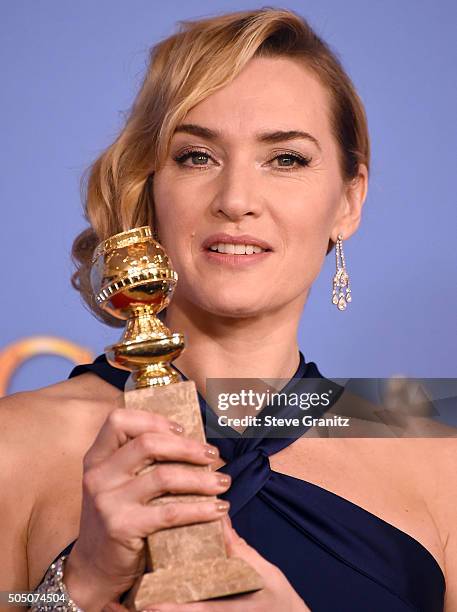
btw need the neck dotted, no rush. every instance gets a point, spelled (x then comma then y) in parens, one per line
(263, 346)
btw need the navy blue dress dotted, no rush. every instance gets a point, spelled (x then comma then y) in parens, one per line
(336, 555)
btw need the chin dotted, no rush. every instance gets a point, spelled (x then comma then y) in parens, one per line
(233, 310)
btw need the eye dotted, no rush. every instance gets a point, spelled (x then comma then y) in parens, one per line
(290, 161)
(194, 158)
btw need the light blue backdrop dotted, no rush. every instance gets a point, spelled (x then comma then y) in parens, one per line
(69, 69)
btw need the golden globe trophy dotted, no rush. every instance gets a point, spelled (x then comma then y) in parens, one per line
(133, 280)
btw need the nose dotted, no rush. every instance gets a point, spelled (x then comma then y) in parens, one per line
(236, 194)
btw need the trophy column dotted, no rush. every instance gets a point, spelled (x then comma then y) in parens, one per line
(133, 280)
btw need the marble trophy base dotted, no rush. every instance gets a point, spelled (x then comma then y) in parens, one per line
(202, 580)
(187, 563)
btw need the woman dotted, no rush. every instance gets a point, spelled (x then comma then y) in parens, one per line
(246, 129)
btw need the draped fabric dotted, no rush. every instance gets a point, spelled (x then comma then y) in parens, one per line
(336, 555)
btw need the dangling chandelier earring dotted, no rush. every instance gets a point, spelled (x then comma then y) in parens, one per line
(341, 278)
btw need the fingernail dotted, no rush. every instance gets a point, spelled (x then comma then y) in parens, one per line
(211, 451)
(176, 428)
(222, 506)
(223, 480)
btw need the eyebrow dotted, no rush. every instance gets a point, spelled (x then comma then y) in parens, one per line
(265, 137)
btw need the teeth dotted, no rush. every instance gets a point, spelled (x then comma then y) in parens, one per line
(236, 249)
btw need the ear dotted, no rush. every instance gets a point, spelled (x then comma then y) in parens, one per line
(353, 198)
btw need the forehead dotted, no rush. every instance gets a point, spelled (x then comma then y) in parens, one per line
(279, 93)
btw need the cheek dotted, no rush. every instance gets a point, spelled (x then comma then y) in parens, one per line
(309, 218)
(307, 233)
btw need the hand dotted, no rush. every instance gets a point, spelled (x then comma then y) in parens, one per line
(276, 596)
(109, 553)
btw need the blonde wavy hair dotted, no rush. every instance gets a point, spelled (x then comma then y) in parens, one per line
(184, 69)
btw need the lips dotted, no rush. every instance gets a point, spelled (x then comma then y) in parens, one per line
(230, 239)
(256, 251)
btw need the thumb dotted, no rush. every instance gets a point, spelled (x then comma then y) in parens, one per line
(238, 547)
(232, 539)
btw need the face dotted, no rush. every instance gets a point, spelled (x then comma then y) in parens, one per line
(254, 163)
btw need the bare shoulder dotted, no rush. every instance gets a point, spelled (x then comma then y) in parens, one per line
(59, 412)
(45, 434)
(52, 426)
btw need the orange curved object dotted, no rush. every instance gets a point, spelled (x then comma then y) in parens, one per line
(14, 355)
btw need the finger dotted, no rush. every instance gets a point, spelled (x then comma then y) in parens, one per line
(150, 519)
(230, 535)
(151, 447)
(122, 425)
(232, 540)
(124, 464)
(173, 478)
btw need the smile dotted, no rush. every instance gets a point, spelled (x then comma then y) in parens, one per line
(236, 249)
